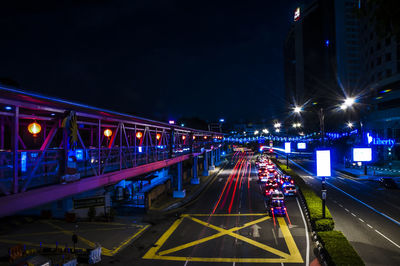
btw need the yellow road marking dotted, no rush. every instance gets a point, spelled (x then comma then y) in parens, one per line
(87, 242)
(105, 251)
(152, 252)
(294, 255)
(117, 249)
(205, 239)
(293, 250)
(228, 214)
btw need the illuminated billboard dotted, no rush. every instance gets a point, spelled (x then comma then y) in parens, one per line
(362, 154)
(301, 146)
(323, 162)
(287, 147)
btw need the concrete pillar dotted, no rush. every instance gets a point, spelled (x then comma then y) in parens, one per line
(217, 156)
(195, 179)
(205, 168)
(179, 192)
(212, 164)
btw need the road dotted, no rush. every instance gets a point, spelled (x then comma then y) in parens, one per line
(366, 213)
(227, 225)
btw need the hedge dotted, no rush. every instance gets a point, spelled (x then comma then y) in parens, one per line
(324, 225)
(339, 250)
(313, 201)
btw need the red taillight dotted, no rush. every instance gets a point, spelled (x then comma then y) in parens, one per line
(291, 181)
(272, 209)
(284, 208)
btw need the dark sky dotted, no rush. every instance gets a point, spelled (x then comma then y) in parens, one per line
(153, 58)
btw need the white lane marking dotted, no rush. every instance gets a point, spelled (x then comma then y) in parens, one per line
(306, 230)
(233, 263)
(265, 204)
(369, 226)
(220, 179)
(346, 209)
(353, 214)
(388, 239)
(186, 263)
(341, 205)
(273, 233)
(361, 219)
(281, 263)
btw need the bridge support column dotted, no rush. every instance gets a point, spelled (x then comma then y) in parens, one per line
(195, 179)
(212, 164)
(217, 156)
(179, 192)
(205, 170)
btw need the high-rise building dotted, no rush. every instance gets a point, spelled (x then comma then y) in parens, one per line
(381, 78)
(348, 56)
(309, 54)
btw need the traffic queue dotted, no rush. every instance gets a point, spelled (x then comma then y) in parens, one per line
(274, 185)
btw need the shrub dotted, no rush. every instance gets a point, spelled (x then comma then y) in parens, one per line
(324, 225)
(339, 250)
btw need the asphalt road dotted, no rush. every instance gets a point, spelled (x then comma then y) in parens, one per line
(366, 213)
(227, 225)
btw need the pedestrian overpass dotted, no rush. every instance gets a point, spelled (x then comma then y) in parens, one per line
(52, 148)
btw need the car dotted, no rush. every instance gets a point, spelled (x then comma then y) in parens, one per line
(262, 170)
(277, 195)
(387, 182)
(276, 208)
(289, 190)
(268, 189)
(272, 183)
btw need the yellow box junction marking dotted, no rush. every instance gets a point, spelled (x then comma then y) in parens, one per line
(104, 251)
(294, 255)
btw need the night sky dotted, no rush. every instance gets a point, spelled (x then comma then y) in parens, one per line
(153, 58)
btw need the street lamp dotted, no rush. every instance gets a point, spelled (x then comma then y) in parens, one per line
(277, 125)
(265, 131)
(277, 130)
(256, 132)
(295, 125)
(350, 125)
(297, 109)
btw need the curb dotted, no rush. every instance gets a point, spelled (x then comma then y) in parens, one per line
(193, 196)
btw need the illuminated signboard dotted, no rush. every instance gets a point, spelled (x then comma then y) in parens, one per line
(297, 14)
(362, 154)
(287, 147)
(301, 145)
(323, 162)
(378, 141)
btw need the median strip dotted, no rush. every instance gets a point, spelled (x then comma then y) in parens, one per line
(338, 250)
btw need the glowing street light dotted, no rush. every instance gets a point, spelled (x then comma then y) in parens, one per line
(277, 130)
(265, 131)
(297, 109)
(277, 125)
(295, 125)
(298, 124)
(256, 132)
(349, 101)
(350, 125)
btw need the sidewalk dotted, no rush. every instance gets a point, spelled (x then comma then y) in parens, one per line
(52, 233)
(167, 203)
(34, 233)
(373, 173)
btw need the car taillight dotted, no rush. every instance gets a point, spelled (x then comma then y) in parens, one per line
(272, 209)
(284, 208)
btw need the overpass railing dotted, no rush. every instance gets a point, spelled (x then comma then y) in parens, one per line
(46, 141)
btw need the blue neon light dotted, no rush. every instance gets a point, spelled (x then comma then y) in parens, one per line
(8, 108)
(378, 141)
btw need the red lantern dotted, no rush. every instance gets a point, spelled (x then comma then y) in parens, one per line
(183, 137)
(205, 137)
(158, 136)
(194, 137)
(108, 132)
(139, 135)
(34, 128)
